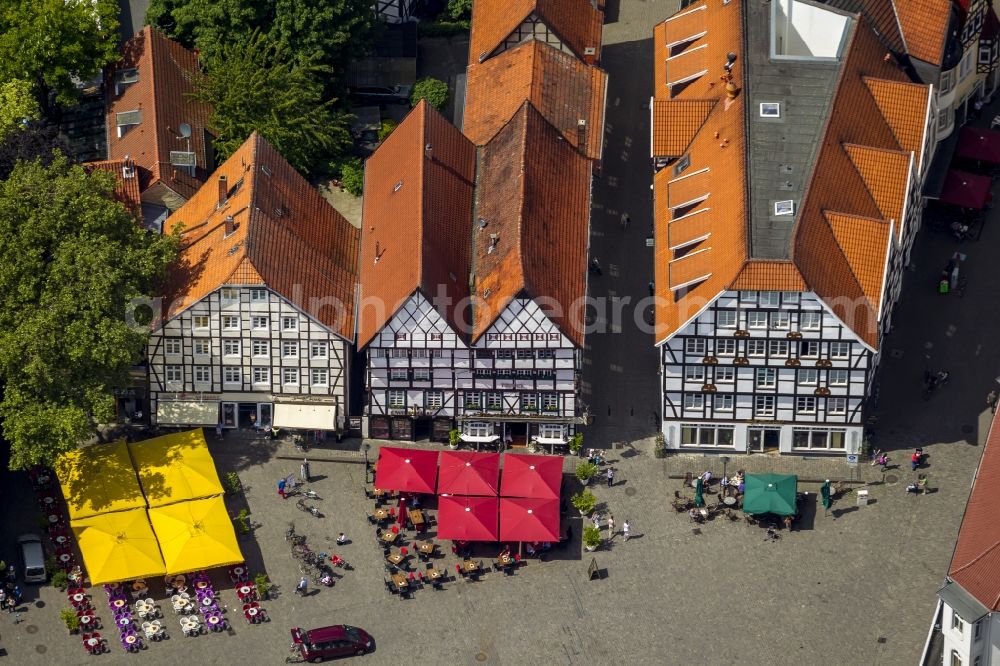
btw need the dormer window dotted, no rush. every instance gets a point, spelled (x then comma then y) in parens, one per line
(770, 110)
(124, 78)
(127, 119)
(786, 207)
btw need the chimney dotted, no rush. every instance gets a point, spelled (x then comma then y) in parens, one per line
(230, 223)
(581, 134)
(223, 190)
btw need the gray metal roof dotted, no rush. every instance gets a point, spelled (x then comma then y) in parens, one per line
(967, 606)
(781, 151)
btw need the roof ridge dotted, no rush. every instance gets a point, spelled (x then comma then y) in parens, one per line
(423, 109)
(148, 37)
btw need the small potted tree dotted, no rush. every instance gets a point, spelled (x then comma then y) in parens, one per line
(263, 585)
(454, 437)
(591, 538)
(584, 502)
(660, 446)
(69, 618)
(585, 471)
(576, 443)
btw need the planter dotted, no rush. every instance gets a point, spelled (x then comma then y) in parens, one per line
(590, 549)
(585, 482)
(583, 513)
(453, 446)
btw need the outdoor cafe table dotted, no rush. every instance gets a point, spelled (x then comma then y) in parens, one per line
(505, 560)
(245, 590)
(77, 597)
(92, 642)
(434, 574)
(130, 638)
(399, 580)
(213, 619)
(470, 566)
(118, 603)
(389, 536)
(395, 558)
(60, 540)
(378, 492)
(381, 514)
(416, 517)
(252, 612)
(427, 547)
(729, 501)
(207, 600)
(201, 584)
(86, 618)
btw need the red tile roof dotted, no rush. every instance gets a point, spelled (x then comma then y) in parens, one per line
(165, 74)
(858, 178)
(576, 23)
(283, 235)
(533, 191)
(564, 89)
(925, 27)
(975, 564)
(126, 187)
(420, 231)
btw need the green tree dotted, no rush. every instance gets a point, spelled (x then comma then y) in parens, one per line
(253, 86)
(74, 261)
(17, 105)
(386, 128)
(459, 9)
(431, 89)
(50, 42)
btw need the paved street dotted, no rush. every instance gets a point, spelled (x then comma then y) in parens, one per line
(852, 586)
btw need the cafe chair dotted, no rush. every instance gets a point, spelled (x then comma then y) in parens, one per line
(371, 519)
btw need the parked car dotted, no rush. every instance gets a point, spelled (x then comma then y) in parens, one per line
(339, 640)
(32, 558)
(399, 94)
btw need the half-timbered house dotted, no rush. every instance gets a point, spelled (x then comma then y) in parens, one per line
(787, 197)
(258, 317)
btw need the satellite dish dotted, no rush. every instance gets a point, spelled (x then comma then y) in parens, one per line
(185, 130)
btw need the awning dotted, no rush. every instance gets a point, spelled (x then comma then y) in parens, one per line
(964, 189)
(531, 476)
(468, 473)
(406, 470)
(523, 519)
(305, 416)
(977, 143)
(187, 412)
(175, 468)
(467, 518)
(967, 606)
(477, 438)
(550, 440)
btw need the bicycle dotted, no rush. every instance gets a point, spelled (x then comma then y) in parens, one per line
(301, 504)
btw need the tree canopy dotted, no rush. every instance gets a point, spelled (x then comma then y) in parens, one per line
(253, 85)
(74, 262)
(50, 42)
(36, 140)
(17, 105)
(433, 90)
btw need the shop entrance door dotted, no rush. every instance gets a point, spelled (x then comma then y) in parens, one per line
(763, 440)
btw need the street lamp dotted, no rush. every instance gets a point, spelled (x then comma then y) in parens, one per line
(366, 447)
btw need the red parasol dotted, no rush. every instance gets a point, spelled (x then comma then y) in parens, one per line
(977, 143)
(406, 470)
(463, 518)
(531, 476)
(527, 519)
(968, 190)
(469, 473)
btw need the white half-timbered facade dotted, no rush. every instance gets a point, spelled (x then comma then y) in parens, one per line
(239, 355)
(765, 371)
(516, 384)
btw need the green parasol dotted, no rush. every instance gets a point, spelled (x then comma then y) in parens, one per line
(824, 491)
(770, 493)
(699, 501)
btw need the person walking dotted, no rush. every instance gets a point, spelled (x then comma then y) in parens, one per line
(883, 462)
(595, 266)
(281, 488)
(625, 221)
(611, 527)
(626, 530)
(922, 483)
(915, 459)
(304, 471)
(303, 587)
(652, 288)
(597, 520)
(611, 476)
(991, 401)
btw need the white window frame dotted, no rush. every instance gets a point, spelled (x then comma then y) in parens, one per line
(399, 374)
(807, 376)
(805, 346)
(258, 295)
(805, 404)
(838, 377)
(828, 437)
(694, 373)
(289, 323)
(434, 399)
(770, 109)
(173, 374)
(319, 349)
(421, 374)
(836, 406)
(811, 321)
(550, 402)
(756, 319)
(769, 299)
(777, 348)
(261, 375)
(529, 402)
(319, 377)
(473, 400)
(725, 347)
(200, 322)
(396, 398)
(694, 401)
(229, 295)
(694, 346)
(726, 318)
(290, 349)
(228, 371)
(552, 430)
(763, 405)
(230, 322)
(201, 347)
(725, 374)
(757, 347)
(765, 378)
(231, 347)
(172, 347)
(494, 400)
(202, 374)
(698, 430)
(957, 622)
(290, 376)
(258, 322)
(723, 402)
(260, 348)
(836, 347)
(781, 320)
(478, 429)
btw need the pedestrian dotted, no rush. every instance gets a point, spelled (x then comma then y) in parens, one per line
(611, 476)
(922, 483)
(304, 471)
(341, 539)
(218, 431)
(302, 587)
(17, 593)
(626, 529)
(595, 266)
(281, 488)
(915, 460)
(597, 520)
(991, 401)
(611, 527)
(11, 604)
(652, 288)
(625, 220)
(290, 484)
(883, 462)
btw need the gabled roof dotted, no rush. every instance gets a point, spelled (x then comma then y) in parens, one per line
(165, 72)
(564, 89)
(975, 564)
(865, 244)
(126, 181)
(417, 221)
(769, 276)
(898, 102)
(533, 192)
(265, 225)
(925, 27)
(884, 173)
(577, 24)
(675, 122)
